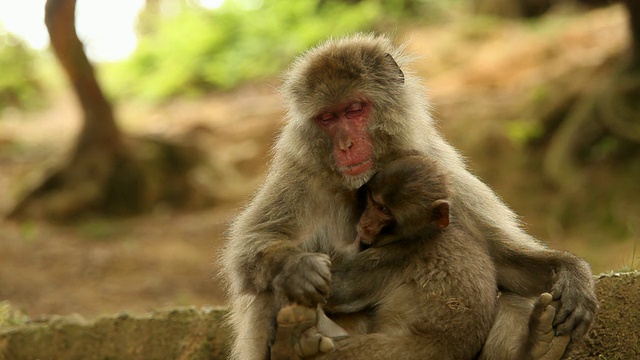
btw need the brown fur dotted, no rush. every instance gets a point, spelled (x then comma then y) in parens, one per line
(430, 286)
(306, 208)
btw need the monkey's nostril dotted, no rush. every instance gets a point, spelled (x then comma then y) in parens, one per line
(346, 145)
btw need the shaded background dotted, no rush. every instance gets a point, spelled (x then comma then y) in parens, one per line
(120, 202)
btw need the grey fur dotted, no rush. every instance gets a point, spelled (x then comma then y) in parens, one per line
(306, 205)
(432, 287)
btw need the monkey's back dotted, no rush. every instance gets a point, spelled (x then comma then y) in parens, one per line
(447, 293)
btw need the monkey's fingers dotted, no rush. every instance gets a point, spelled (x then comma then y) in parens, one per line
(309, 293)
(576, 325)
(325, 269)
(565, 319)
(308, 280)
(320, 283)
(558, 287)
(565, 306)
(582, 328)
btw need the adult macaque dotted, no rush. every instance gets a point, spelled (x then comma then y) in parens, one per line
(417, 274)
(351, 109)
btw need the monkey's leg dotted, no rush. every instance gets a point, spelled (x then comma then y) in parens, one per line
(297, 335)
(252, 318)
(511, 339)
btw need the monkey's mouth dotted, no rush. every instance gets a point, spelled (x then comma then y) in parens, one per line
(364, 241)
(357, 169)
(363, 246)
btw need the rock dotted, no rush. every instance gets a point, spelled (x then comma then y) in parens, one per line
(189, 333)
(186, 333)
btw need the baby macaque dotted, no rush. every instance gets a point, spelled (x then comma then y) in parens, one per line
(415, 274)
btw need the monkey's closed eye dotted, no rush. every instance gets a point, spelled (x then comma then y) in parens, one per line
(326, 118)
(354, 110)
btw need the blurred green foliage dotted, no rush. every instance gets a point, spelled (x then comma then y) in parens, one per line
(198, 50)
(100, 229)
(523, 131)
(19, 84)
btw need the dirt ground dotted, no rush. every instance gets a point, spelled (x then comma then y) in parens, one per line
(479, 77)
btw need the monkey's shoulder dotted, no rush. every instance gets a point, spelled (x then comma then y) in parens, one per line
(456, 258)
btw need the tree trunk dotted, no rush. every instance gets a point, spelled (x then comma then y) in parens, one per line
(99, 128)
(105, 173)
(633, 8)
(79, 185)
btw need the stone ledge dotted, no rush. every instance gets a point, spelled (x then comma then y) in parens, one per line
(189, 333)
(183, 333)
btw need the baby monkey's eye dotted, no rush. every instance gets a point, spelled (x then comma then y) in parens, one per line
(385, 210)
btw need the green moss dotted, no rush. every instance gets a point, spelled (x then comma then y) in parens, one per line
(10, 316)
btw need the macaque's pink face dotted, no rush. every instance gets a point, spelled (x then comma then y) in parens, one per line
(346, 124)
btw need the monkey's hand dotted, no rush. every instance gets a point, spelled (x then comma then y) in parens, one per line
(305, 279)
(574, 289)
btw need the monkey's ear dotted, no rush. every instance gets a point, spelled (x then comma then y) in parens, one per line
(395, 65)
(440, 214)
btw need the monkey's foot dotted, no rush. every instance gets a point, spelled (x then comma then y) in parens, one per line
(546, 345)
(297, 336)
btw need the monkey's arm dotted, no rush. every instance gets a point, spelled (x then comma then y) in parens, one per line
(359, 281)
(354, 289)
(567, 277)
(262, 253)
(524, 265)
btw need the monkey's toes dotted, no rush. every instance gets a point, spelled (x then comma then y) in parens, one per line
(297, 315)
(553, 350)
(547, 314)
(547, 346)
(326, 345)
(311, 344)
(545, 299)
(291, 340)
